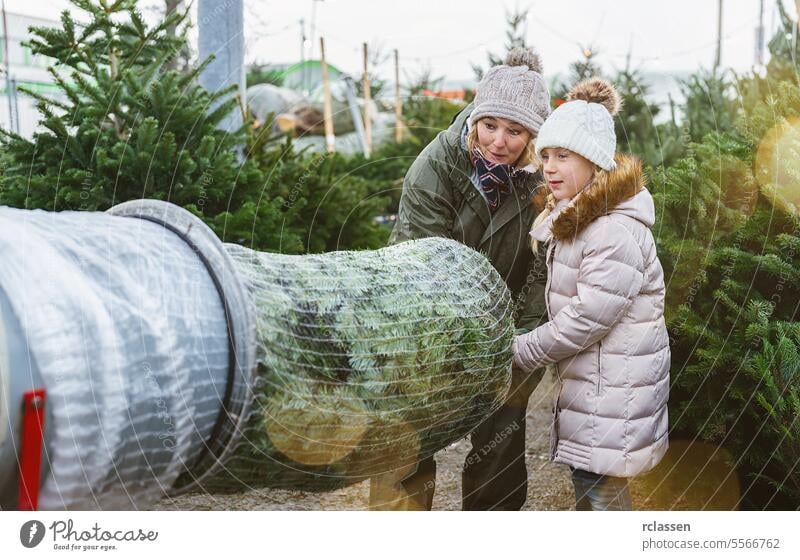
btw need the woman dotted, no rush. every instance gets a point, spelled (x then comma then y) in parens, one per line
(474, 184)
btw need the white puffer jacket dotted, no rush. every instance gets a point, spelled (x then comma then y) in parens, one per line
(606, 333)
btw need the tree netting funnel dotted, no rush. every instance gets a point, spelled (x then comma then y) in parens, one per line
(140, 334)
(368, 361)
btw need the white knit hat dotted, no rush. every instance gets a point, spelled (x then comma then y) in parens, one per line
(515, 91)
(585, 123)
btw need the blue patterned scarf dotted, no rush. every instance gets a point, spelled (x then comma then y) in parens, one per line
(495, 178)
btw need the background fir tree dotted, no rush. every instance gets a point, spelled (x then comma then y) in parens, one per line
(326, 205)
(378, 55)
(516, 31)
(784, 48)
(579, 70)
(729, 241)
(710, 104)
(637, 132)
(129, 126)
(636, 129)
(586, 67)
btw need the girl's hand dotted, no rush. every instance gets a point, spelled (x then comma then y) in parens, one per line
(522, 359)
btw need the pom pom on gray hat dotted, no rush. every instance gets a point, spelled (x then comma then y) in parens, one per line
(522, 56)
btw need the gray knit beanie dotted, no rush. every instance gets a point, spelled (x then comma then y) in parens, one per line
(515, 91)
(585, 123)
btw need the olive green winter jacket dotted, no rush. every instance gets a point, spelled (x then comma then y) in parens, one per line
(442, 198)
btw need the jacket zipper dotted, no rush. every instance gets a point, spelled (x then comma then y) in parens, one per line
(548, 260)
(599, 366)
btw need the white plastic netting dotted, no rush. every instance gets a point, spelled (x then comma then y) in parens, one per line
(368, 360)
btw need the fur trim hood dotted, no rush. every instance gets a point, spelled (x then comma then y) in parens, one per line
(621, 191)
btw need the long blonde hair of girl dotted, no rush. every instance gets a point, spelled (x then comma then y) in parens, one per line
(551, 203)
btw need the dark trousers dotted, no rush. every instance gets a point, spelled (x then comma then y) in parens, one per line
(494, 476)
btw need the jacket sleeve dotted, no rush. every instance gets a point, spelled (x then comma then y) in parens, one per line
(426, 205)
(611, 274)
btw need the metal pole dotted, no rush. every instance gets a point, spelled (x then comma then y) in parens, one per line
(760, 35)
(313, 28)
(221, 33)
(718, 57)
(172, 6)
(16, 126)
(367, 102)
(355, 114)
(303, 68)
(398, 101)
(327, 112)
(7, 67)
(302, 40)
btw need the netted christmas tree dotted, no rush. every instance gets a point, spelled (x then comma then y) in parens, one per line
(368, 361)
(729, 239)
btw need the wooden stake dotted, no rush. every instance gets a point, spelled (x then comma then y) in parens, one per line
(330, 139)
(367, 102)
(398, 102)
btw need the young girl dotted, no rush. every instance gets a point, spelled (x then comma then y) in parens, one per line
(605, 297)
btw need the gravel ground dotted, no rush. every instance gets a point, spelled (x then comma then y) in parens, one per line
(692, 476)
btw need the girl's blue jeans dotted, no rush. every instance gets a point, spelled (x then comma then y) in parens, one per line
(597, 492)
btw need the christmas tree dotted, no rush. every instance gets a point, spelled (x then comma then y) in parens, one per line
(710, 105)
(729, 239)
(580, 70)
(516, 31)
(128, 125)
(636, 129)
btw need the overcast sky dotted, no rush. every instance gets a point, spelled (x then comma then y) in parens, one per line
(447, 36)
